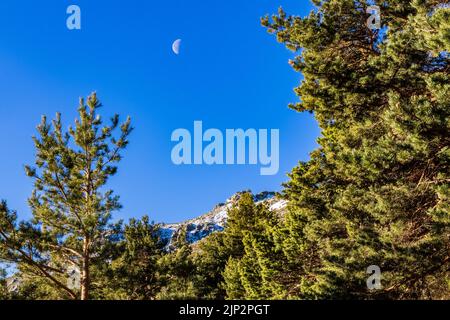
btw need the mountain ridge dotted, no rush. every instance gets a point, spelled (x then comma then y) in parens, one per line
(214, 220)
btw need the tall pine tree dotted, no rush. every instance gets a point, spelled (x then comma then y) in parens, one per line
(376, 192)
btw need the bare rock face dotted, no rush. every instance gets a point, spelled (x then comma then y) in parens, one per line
(215, 220)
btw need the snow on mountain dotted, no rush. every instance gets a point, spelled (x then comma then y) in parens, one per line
(215, 220)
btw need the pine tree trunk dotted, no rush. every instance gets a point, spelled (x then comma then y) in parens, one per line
(85, 276)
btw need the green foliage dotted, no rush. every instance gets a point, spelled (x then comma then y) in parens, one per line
(241, 262)
(254, 261)
(376, 191)
(210, 257)
(71, 211)
(134, 275)
(4, 294)
(178, 272)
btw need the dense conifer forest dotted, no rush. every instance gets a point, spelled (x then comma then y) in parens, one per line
(375, 193)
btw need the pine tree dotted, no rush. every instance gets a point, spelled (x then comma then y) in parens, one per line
(4, 294)
(254, 261)
(210, 258)
(228, 248)
(241, 262)
(376, 191)
(135, 273)
(178, 271)
(71, 211)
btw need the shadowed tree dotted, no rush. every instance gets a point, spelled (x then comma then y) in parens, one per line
(71, 208)
(135, 273)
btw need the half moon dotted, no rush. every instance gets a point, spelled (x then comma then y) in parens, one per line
(176, 46)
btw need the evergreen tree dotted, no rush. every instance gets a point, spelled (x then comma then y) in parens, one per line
(71, 211)
(4, 294)
(218, 255)
(254, 261)
(178, 272)
(376, 191)
(241, 262)
(135, 273)
(210, 258)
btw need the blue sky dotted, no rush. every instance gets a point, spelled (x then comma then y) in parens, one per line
(230, 74)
